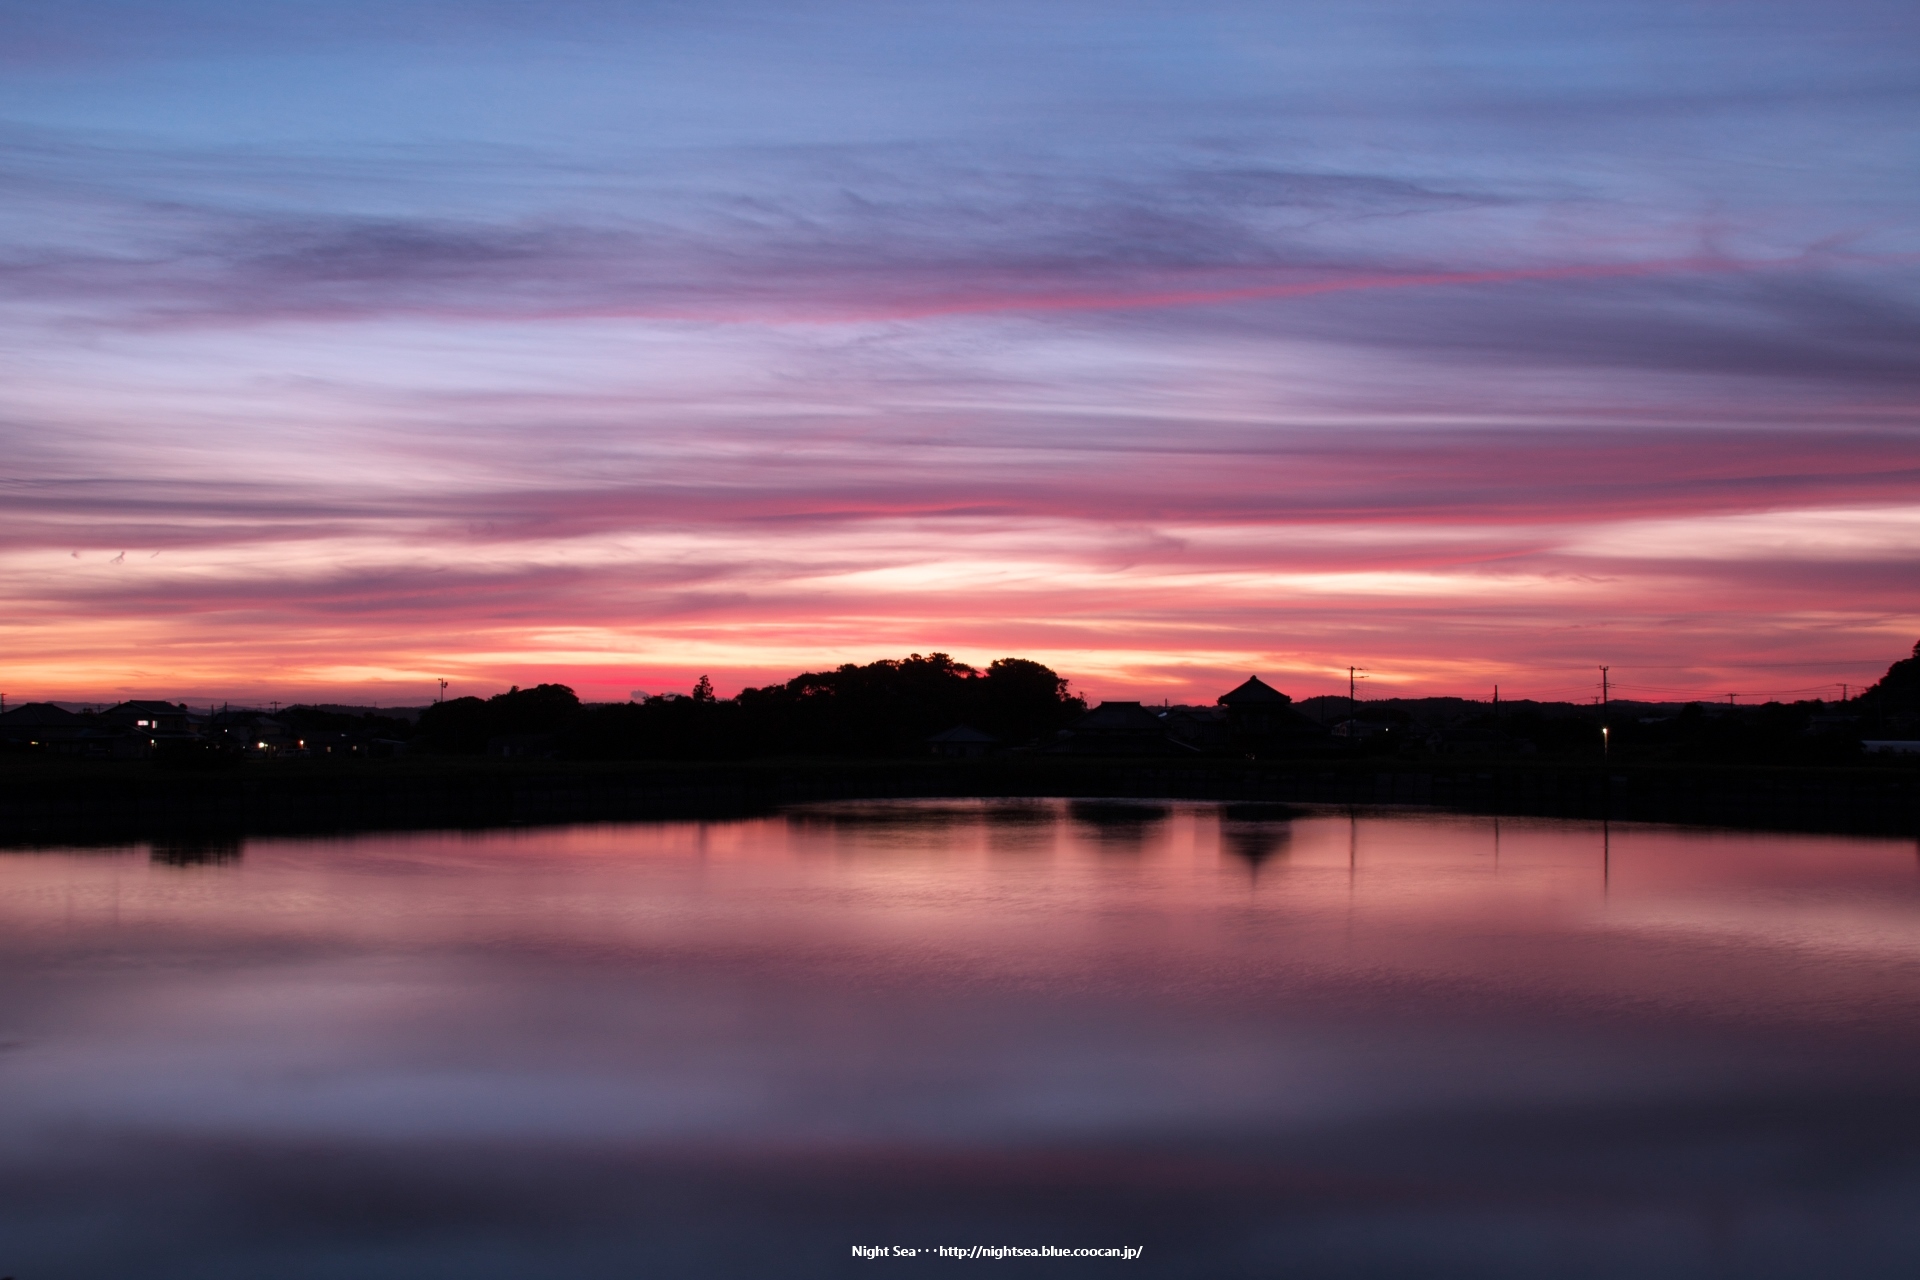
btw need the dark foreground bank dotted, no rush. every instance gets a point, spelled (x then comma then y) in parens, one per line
(51, 800)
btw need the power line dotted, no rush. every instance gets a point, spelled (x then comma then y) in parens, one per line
(1721, 692)
(1510, 694)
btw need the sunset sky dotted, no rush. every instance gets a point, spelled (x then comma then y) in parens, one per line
(346, 346)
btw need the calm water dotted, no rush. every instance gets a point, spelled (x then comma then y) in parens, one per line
(1384, 1045)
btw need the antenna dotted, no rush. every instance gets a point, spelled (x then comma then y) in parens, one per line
(443, 692)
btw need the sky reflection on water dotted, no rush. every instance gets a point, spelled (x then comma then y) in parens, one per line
(1384, 1044)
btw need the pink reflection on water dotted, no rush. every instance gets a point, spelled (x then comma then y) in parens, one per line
(1047, 891)
(975, 997)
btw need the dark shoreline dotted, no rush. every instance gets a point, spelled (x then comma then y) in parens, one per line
(51, 802)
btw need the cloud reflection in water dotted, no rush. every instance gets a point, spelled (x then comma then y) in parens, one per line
(739, 1048)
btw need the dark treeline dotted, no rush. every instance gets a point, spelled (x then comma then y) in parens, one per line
(886, 708)
(891, 709)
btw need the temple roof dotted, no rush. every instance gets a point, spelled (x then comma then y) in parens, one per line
(1253, 692)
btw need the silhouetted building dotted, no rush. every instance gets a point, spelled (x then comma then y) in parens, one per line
(962, 742)
(339, 744)
(37, 724)
(1202, 728)
(254, 732)
(149, 717)
(1261, 719)
(54, 730)
(1118, 729)
(1256, 708)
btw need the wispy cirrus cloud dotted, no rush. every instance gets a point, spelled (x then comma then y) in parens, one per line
(620, 346)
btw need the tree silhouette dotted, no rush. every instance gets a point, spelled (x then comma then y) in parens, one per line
(885, 708)
(464, 725)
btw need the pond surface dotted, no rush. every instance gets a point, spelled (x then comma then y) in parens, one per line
(1382, 1045)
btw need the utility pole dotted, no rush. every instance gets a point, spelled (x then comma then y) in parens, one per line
(1606, 731)
(443, 692)
(1353, 703)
